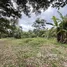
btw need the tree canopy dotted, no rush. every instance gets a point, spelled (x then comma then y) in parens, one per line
(7, 8)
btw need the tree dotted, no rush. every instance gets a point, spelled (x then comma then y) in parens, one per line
(25, 34)
(56, 26)
(61, 28)
(7, 25)
(18, 32)
(39, 26)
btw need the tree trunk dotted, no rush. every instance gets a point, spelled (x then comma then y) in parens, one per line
(62, 37)
(58, 34)
(0, 35)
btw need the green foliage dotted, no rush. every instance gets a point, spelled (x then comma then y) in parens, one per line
(29, 34)
(17, 32)
(61, 28)
(50, 33)
(10, 10)
(39, 24)
(55, 21)
(7, 27)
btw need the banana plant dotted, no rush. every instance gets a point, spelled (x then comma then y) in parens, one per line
(60, 26)
(55, 24)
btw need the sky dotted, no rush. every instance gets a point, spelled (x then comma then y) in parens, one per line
(27, 22)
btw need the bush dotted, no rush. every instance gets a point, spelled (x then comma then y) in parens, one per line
(17, 35)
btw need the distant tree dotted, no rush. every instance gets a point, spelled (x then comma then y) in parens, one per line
(18, 32)
(26, 34)
(39, 26)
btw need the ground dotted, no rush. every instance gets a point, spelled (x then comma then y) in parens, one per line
(32, 52)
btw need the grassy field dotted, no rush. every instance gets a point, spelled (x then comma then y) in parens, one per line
(32, 52)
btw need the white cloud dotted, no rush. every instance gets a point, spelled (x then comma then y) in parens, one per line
(26, 22)
(49, 10)
(26, 27)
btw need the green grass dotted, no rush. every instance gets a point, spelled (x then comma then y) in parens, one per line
(32, 52)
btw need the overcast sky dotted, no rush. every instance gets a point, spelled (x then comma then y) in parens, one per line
(27, 22)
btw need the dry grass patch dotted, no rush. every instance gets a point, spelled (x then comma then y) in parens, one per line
(32, 52)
